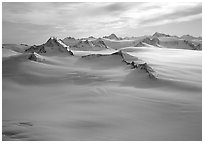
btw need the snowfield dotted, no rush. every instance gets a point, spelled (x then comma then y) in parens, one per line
(102, 95)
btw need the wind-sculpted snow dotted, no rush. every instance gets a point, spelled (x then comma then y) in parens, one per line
(134, 62)
(20, 48)
(111, 94)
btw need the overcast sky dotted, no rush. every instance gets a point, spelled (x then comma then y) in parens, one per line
(34, 23)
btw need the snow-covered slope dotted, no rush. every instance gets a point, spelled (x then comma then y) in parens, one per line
(16, 47)
(176, 43)
(119, 57)
(101, 97)
(8, 52)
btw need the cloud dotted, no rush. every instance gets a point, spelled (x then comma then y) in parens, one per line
(98, 17)
(174, 16)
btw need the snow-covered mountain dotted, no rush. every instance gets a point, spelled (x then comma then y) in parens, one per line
(55, 45)
(167, 41)
(151, 41)
(86, 45)
(112, 37)
(69, 41)
(177, 43)
(189, 37)
(52, 46)
(157, 34)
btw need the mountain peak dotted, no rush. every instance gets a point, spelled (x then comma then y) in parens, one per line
(51, 41)
(52, 46)
(157, 34)
(112, 36)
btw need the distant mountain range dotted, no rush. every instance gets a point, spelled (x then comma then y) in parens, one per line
(159, 40)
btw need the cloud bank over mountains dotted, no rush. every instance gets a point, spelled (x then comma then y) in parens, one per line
(96, 18)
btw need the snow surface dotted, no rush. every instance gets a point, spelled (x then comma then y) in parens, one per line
(102, 97)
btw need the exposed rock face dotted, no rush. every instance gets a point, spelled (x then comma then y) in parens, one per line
(193, 46)
(35, 57)
(198, 47)
(134, 62)
(37, 49)
(145, 67)
(32, 57)
(51, 46)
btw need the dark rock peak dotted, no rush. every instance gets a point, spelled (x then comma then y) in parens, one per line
(32, 57)
(135, 63)
(52, 42)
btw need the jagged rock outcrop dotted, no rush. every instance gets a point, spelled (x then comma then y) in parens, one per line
(53, 45)
(192, 45)
(134, 62)
(35, 57)
(37, 49)
(145, 67)
(197, 47)
(32, 57)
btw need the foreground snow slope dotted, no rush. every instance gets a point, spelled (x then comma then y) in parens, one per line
(103, 98)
